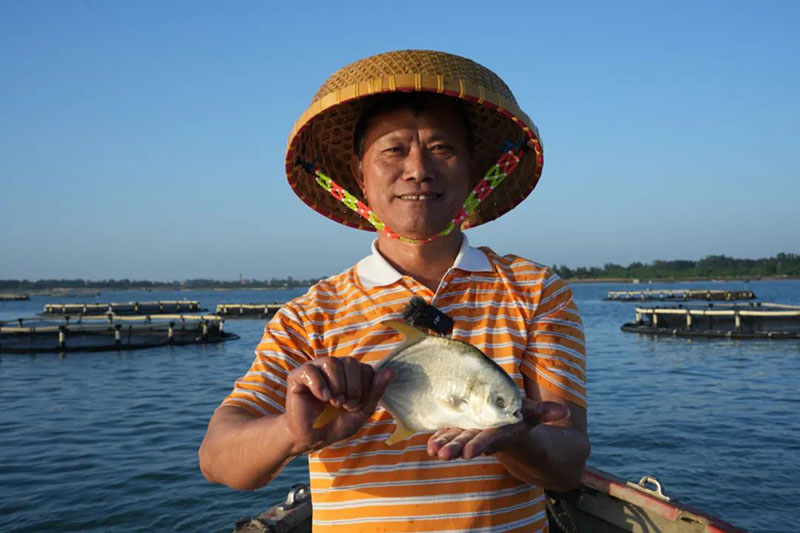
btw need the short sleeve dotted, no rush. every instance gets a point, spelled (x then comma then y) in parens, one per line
(284, 346)
(555, 357)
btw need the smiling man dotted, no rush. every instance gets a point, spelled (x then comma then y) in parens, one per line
(415, 145)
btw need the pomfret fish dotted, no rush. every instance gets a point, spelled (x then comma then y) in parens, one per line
(441, 382)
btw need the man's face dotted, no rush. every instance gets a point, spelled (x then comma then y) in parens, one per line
(415, 169)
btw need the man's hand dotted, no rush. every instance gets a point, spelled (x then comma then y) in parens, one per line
(452, 443)
(343, 382)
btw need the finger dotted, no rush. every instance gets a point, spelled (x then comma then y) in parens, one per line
(333, 371)
(542, 412)
(380, 381)
(453, 449)
(352, 372)
(309, 378)
(367, 374)
(440, 438)
(486, 442)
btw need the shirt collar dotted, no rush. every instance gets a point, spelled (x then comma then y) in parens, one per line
(375, 271)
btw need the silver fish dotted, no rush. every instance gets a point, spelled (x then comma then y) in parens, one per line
(441, 382)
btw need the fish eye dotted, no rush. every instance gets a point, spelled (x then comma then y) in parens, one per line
(500, 402)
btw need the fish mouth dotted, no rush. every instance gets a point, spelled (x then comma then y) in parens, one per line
(517, 415)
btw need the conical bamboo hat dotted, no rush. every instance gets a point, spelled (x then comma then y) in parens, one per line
(323, 135)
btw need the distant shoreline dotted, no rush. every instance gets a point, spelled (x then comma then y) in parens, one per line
(92, 291)
(646, 281)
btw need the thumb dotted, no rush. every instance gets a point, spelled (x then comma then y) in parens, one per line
(542, 412)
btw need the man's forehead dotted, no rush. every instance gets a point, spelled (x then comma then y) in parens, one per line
(436, 122)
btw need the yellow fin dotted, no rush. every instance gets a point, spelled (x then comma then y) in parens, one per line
(411, 333)
(401, 433)
(328, 415)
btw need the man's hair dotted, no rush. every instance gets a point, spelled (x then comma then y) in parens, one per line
(416, 102)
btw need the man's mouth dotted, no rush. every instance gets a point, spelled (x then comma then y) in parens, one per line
(420, 197)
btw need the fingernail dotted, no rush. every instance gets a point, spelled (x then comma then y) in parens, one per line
(352, 405)
(326, 395)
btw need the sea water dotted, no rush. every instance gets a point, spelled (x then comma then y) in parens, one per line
(108, 441)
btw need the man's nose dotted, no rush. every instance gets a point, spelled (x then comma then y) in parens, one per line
(418, 165)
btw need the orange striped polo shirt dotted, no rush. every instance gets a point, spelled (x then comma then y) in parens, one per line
(516, 311)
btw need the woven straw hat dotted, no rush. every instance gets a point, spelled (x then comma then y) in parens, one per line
(324, 133)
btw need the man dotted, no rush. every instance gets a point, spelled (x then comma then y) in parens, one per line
(406, 138)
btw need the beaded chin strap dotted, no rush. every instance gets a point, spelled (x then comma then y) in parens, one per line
(494, 176)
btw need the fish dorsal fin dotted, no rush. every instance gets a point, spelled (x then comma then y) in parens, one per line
(412, 335)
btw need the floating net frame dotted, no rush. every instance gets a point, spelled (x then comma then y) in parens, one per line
(109, 333)
(124, 308)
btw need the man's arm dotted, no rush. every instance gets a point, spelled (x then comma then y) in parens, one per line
(246, 451)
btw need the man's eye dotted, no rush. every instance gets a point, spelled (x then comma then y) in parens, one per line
(393, 150)
(441, 148)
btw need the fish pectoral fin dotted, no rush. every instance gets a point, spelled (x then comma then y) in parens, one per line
(328, 415)
(453, 402)
(401, 433)
(411, 333)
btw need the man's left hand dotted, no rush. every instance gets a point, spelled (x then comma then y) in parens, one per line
(451, 443)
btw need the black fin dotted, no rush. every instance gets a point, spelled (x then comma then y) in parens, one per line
(420, 314)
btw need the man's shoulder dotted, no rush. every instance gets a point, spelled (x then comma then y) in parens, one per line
(327, 293)
(513, 266)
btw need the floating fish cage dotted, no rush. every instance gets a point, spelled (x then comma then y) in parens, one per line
(108, 333)
(13, 297)
(679, 294)
(127, 308)
(738, 321)
(247, 310)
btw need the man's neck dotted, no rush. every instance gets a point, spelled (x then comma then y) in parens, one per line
(426, 263)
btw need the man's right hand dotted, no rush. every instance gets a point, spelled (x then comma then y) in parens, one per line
(343, 382)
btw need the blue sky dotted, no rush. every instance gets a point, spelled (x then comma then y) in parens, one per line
(146, 139)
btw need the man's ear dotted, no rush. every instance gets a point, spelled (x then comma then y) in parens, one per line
(358, 174)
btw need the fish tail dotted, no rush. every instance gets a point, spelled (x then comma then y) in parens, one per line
(328, 415)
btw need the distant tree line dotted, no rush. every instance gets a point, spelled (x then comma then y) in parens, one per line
(713, 266)
(122, 284)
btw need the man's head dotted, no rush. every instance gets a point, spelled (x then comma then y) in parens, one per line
(412, 161)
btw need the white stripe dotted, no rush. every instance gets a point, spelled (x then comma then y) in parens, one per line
(273, 366)
(576, 340)
(272, 354)
(259, 384)
(558, 347)
(410, 483)
(547, 320)
(354, 303)
(260, 397)
(418, 518)
(404, 500)
(566, 374)
(551, 357)
(416, 465)
(505, 527)
(255, 406)
(481, 318)
(554, 382)
(560, 291)
(385, 453)
(500, 305)
(488, 331)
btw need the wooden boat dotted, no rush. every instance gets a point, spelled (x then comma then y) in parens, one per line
(603, 504)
